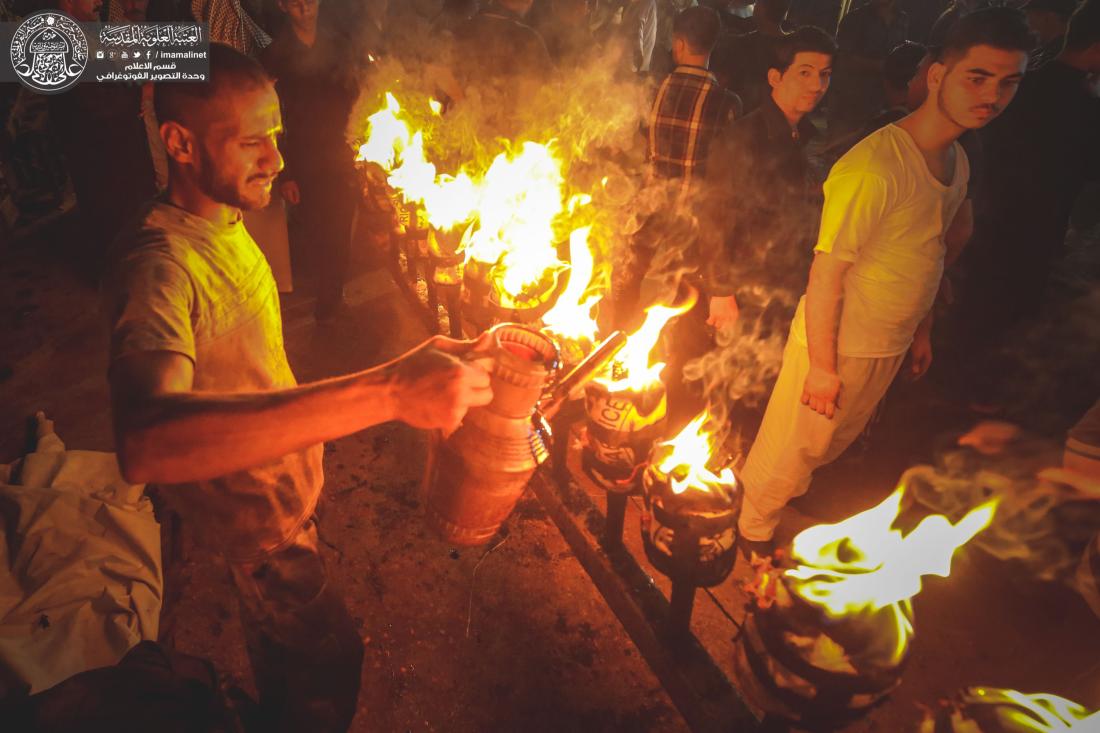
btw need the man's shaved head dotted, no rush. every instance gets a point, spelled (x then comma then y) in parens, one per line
(221, 136)
(196, 105)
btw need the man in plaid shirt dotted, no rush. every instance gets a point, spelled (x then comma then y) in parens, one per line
(690, 107)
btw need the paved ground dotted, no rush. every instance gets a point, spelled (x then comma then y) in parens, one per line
(518, 639)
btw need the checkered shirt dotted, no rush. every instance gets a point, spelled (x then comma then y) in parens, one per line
(690, 108)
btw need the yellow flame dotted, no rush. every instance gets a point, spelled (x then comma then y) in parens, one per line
(632, 370)
(578, 200)
(436, 107)
(514, 203)
(684, 459)
(861, 563)
(571, 318)
(387, 137)
(1042, 713)
(520, 198)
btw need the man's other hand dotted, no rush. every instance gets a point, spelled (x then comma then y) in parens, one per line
(435, 383)
(821, 391)
(290, 192)
(920, 355)
(723, 312)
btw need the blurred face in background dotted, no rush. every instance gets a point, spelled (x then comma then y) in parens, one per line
(302, 13)
(136, 11)
(83, 11)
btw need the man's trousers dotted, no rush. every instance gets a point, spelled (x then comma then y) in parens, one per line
(794, 440)
(305, 650)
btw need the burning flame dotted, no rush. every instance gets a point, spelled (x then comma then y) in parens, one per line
(572, 317)
(632, 370)
(448, 200)
(388, 135)
(1041, 713)
(520, 196)
(512, 205)
(685, 458)
(1012, 710)
(863, 565)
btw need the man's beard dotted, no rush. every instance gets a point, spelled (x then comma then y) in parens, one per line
(225, 190)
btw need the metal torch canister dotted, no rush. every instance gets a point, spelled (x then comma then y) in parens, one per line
(477, 474)
(797, 663)
(690, 537)
(621, 428)
(620, 431)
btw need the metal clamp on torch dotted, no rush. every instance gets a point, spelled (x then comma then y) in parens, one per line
(572, 383)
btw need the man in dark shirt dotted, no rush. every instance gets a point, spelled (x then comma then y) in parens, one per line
(1038, 156)
(316, 92)
(102, 138)
(865, 37)
(501, 61)
(566, 32)
(498, 43)
(762, 200)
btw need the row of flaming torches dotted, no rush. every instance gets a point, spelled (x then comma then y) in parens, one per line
(831, 629)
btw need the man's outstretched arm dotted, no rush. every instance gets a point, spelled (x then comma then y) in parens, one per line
(165, 432)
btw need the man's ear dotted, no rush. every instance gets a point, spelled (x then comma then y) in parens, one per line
(179, 142)
(936, 73)
(774, 78)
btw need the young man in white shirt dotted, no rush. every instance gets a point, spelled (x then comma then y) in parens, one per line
(877, 267)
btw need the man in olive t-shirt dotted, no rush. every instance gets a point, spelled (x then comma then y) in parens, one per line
(205, 403)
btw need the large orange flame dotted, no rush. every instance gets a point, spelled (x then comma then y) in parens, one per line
(512, 205)
(684, 459)
(572, 317)
(863, 565)
(1017, 711)
(632, 369)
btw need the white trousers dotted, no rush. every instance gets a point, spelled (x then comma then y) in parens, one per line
(794, 440)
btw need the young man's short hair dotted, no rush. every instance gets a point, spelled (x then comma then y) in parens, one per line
(806, 39)
(699, 28)
(1002, 28)
(189, 103)
(1084, 26)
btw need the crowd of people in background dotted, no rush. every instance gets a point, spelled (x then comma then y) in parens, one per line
(883, 162)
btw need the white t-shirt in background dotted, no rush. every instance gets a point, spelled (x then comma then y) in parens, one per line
(886, 214)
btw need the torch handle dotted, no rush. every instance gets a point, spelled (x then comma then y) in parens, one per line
(588, 368)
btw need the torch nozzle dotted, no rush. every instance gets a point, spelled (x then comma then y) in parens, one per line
(581, 374)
